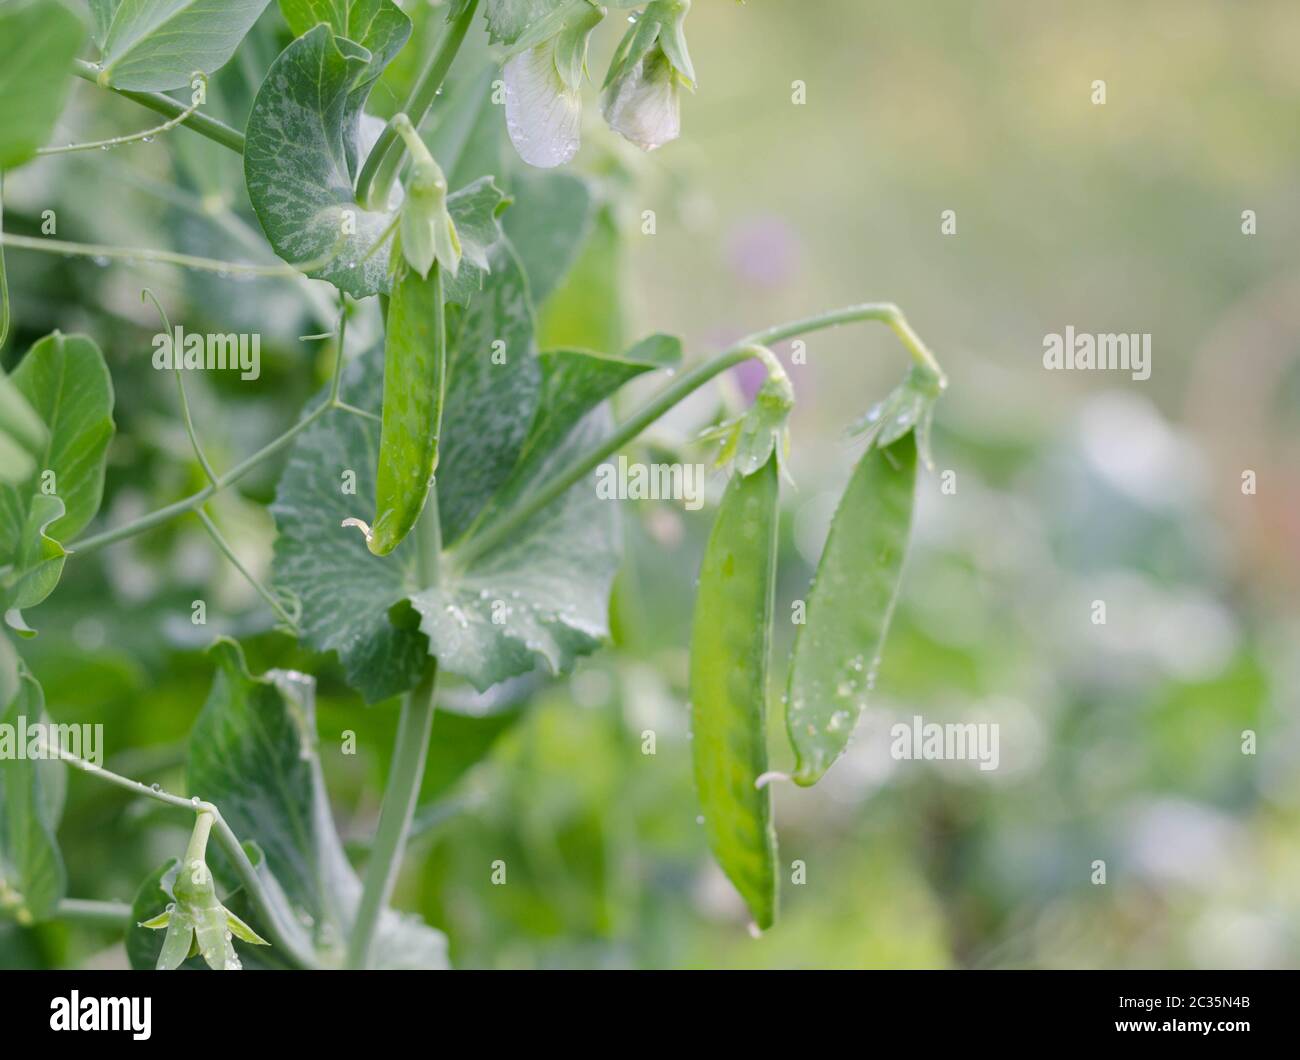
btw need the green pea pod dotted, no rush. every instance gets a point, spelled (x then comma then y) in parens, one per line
(729, 658)
(415, 363)
(837, 649)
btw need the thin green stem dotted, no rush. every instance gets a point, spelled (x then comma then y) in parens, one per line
(336, 380)
(118, 141)
(180, 386)
(407, 771)
(752, 346)
(161, 257)
(92, 913)
(343, 406)
(385, 158)
(148, 522)
(249, 576)
(280, 935)
(203, 124)
(189, 504)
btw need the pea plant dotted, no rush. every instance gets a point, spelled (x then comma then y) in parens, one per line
(436, 512)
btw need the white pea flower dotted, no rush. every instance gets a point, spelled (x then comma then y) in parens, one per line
(641, 99)
(543, 84)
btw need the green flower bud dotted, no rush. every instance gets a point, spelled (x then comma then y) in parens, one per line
(196, 921)
(426, 232)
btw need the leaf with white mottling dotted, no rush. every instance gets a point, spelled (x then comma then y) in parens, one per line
(300, 160)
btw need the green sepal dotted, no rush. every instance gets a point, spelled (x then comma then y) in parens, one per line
(908, 407)
(750, 439)
(662, 24)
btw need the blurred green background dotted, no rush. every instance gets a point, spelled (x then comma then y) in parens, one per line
(1120, 742)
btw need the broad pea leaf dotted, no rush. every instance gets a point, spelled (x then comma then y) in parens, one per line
(253, 753)
(543, 593)
(489, 404)
(23, 434)
(540, 595)
(64, 380)
(549, 224)
(379, 26)
(156, 45)
(586, 309)
(35, 566)
(345, 591)
(38, 41)
(32, 877)
(101, 18)
(300, 162)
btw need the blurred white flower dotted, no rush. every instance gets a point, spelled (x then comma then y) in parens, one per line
(543, 82)
(641, 98)
(542, 112)
(645, 106)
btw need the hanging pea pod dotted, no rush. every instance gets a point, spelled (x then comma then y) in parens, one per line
(415, 364)
(729, 659)
(837, 649)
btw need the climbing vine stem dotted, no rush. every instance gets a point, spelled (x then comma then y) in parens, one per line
(752, 346)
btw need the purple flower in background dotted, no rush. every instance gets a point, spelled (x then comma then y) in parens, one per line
(763, 251)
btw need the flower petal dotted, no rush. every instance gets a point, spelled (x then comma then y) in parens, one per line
(542, 114)
(645, 105)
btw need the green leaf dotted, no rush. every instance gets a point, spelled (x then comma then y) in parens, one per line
(730, 651)
(837, 649)
(543, 593)
(300, 160)
(155, 45)
(253, 752)
(32, 877)
(508, 428)
(586, 309)
(101, 16)
(549, 225)
(64, 381)
(35, 565)
(492, 380)
(379, 26)
(38, 41)
(509, 20)
(415, 365)
(345, 591)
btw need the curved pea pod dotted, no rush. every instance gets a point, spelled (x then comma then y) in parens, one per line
(837, 649)
(729, 659)
(415, 362)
